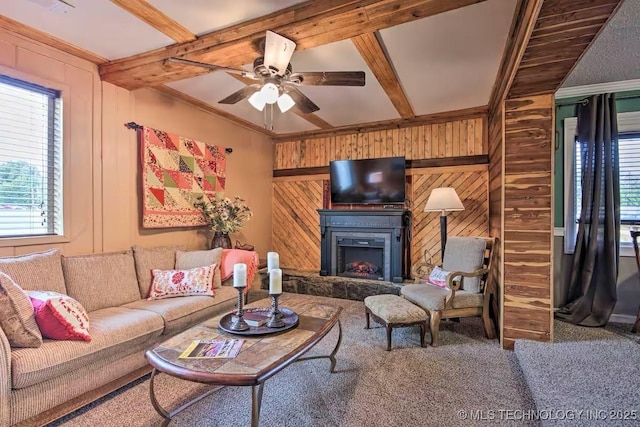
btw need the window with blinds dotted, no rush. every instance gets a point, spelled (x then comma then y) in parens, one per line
(30, 159)
(629, 154)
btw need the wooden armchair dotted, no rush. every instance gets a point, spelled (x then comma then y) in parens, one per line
(470, 286)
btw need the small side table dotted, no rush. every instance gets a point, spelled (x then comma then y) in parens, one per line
(635, 233)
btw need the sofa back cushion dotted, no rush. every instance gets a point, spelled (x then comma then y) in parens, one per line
(193, 259)
(158, 258)
(39, 271)
(101, 280)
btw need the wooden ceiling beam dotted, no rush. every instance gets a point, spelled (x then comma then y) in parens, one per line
(524, 20)
(206, 107)
(311, 118)
(44, 38)
(373, 53)
(158, 20)
(309, 24)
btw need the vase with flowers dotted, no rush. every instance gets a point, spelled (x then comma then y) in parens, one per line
(224, 216)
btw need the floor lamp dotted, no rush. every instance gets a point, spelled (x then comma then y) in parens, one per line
(443, 200)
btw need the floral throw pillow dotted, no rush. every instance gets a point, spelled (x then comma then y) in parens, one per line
(59, 316)
(180, 283)
(16, 315)
(438, 277)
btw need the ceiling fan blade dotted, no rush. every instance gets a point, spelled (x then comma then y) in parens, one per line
(328, 78)
(241, 94)
(303, 103)
(211, 66)
(277, 52)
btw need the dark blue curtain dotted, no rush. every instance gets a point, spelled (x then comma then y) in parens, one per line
(594, 275)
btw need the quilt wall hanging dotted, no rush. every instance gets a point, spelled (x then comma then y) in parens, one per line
(175, 172)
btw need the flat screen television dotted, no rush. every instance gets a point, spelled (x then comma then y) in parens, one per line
(368, 181)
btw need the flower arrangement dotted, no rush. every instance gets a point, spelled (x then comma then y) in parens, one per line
(223, 214)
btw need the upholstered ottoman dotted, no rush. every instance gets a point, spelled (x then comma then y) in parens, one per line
(393, 311)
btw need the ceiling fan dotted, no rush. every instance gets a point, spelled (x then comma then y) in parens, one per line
(275, 80)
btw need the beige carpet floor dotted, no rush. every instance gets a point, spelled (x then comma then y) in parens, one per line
(408, 386)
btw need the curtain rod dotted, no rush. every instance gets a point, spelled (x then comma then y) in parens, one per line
(584, 101)
(134, 125)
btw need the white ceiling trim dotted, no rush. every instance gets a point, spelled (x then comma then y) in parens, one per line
(596, 89)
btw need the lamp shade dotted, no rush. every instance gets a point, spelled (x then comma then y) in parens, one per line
(270, 93)
(257, 100)
(443, 199)
(285, 102)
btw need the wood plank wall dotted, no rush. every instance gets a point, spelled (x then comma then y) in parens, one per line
(496, 166)
(296, 223)
(471, 184)
(528, 225)
(296, 234)
(454, 138)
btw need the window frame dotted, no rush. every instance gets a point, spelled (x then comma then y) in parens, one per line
(64, 91)
(627, 123)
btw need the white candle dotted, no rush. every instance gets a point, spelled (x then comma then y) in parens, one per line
(239, 275)
(273, 260)
(275, 281)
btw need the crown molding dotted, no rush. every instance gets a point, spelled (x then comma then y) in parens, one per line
(595, 89)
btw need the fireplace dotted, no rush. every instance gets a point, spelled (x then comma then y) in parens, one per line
(366, 244)
(361, 255)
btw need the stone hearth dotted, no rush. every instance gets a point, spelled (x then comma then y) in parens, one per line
(311, 283)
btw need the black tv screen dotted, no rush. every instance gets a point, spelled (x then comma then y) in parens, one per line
(368, 181)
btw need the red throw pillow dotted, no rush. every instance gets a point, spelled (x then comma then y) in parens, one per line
(60, 317)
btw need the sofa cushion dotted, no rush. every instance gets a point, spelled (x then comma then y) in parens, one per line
(465, 254)
(16, 315)
(192, 259)
(101, 280)
(161, 258)
(39, 271)
(59, 316)
(113, 330)
(431, 297)
(182, 312)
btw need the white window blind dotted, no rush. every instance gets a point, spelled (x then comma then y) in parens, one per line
(30, 159)
(629, 153)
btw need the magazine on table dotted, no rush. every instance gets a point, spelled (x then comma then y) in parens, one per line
(212, 349)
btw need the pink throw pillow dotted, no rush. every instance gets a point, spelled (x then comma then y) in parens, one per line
(438, 277)
(60, 317)
(180, 283)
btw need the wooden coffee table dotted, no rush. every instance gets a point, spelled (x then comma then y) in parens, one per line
(260, 358)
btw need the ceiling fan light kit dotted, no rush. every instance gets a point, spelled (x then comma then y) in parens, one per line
(285, 102)
(257, 101)
(277, 83)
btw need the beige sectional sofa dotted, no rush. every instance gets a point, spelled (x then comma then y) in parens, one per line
(39, 384)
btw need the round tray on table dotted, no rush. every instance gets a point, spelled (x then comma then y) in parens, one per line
(289, 317)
